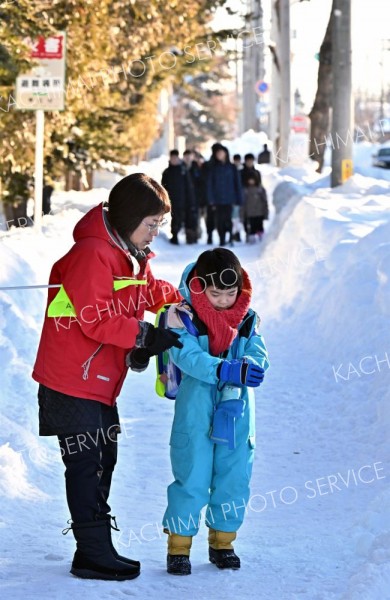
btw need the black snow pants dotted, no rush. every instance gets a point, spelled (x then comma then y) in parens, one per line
(87, 432)
(224, 222)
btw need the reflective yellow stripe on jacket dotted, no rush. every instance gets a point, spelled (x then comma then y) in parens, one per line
(61, 305)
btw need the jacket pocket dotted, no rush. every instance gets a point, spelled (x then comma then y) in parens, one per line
(179, 440)
(181, 456)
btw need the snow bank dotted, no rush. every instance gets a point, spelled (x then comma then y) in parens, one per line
(13, 477)
(324, 283)
(372, 540)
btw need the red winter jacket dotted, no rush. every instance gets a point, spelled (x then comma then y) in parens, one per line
(84, 355)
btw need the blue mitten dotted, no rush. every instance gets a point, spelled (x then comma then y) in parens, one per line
(240, 372)
(223, 429)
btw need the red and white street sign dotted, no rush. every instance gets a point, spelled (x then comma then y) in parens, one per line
(43, 87)
(300, 123)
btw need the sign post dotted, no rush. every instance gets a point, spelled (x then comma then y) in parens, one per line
(38, 175)
(42, 88)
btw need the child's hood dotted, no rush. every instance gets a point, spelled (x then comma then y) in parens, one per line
(184, 287)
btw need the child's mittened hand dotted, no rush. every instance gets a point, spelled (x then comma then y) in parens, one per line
(240, 372)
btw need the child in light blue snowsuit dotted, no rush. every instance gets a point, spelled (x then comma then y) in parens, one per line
(213, 433)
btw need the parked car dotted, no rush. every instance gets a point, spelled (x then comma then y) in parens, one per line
(382, 158)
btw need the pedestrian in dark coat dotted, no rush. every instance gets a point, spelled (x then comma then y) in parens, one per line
(47, 191)
(249, 171)
(176, 181)
(206, 210)
(237, 161)
(223, 190)
(264, 156)
(192, 204)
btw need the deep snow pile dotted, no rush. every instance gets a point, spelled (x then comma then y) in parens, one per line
(318, 519)
(327, 300)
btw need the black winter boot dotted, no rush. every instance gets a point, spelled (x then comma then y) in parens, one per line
(178, 564)
(178, 559)
(129, 561)
(224, 559)
(94, 558)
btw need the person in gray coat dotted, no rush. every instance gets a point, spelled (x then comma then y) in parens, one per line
(255, 210)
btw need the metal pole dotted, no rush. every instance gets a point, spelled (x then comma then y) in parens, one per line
(274, 114)
(31, 287)
(342, 132)
(39, 143)
(285, 83)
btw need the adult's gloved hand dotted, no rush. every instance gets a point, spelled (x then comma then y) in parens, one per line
(155, 339)
(240, 372)
(137, 359)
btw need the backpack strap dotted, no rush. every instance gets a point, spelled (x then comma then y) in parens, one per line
(182, 315)
(247, 325)
(188, 324)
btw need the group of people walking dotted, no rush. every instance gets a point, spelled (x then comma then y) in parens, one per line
(229, 196)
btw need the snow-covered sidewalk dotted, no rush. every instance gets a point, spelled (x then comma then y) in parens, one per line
(317, 525)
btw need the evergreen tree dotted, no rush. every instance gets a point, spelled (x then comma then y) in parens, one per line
(119, 56)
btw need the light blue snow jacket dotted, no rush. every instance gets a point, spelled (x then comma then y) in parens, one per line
(193, 454)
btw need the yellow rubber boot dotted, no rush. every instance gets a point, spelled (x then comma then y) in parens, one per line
(221, 540)
(178, 559)
(179, 544)
(221, 552)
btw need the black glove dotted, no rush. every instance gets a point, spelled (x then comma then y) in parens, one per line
(155, 339)
(137, 359)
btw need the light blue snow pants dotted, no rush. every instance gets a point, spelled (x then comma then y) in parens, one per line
(207, 474)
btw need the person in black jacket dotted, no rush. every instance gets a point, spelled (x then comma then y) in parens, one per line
(176, 181)
(198, 172)
(237, 161)
(249, 171)
(264, 156)
(47, 191)
(193, 202)
(223, 190)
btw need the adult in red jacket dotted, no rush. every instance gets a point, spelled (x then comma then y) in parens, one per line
(92, 333)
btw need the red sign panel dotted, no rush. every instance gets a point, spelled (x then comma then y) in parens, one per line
(300, 123)
(51, 47)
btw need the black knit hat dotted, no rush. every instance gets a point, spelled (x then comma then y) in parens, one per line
(219, 268)
(132, 199)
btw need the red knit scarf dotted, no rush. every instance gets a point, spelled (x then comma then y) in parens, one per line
(221, 324)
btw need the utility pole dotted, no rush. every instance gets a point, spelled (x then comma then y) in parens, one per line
(282, 151)
(342, 131)
(285, 84)
(253, 63)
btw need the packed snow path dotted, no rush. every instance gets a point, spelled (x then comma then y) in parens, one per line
(317, 524)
